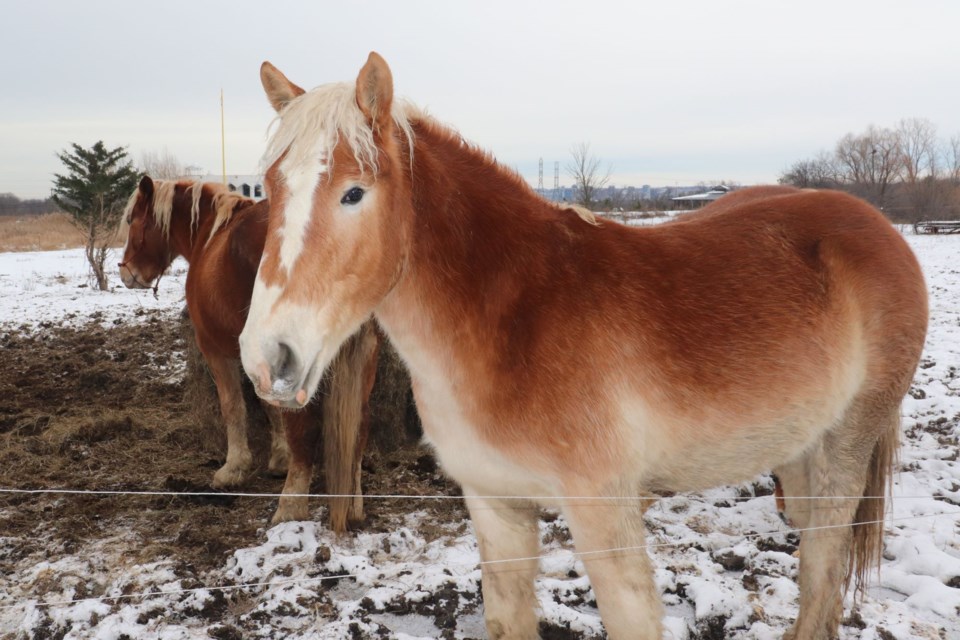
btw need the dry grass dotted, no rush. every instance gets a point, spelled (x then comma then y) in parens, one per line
(46, 232)
(38, 233)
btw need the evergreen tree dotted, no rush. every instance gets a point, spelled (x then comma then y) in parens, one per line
(93, 191)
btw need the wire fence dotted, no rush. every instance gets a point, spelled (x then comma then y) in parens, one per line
(601, 500)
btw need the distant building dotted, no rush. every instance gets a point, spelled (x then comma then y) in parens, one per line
(249, 186)
(704, 198)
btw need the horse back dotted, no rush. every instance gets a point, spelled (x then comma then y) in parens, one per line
(799, 285)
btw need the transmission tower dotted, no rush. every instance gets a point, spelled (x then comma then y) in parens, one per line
(540, 179)
(556, 181)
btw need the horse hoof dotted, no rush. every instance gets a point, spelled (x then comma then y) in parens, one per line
(228, 477)
(289, 514)
(277, 468)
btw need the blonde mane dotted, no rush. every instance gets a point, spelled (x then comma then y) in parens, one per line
(582, 212)
(224, 203)
(312, 124)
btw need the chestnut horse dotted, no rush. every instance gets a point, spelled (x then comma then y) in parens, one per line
(579, 364)
(221, 235)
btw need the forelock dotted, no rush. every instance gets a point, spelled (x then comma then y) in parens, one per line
(162, 204)
(312, 124)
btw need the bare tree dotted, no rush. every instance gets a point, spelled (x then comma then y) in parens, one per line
(953, 159)
(869, 163)
(919, 166)
(161, 165)
(917, 139)
(584, 169)
(819, 172)
(906, 171)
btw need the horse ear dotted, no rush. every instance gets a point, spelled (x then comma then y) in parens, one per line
(375, 91)
(280, 91)
(146, 186)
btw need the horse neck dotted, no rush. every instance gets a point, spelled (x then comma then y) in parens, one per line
(186, 234)
(476, 228)
(471, 206)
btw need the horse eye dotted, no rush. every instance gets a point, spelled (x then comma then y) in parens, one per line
(353, 196)
(129, 220)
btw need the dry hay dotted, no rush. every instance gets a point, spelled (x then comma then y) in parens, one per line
(393, 415)
(394, 422)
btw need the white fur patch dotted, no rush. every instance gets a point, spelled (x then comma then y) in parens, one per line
(261, 304)
(272, 321)
(301, 182)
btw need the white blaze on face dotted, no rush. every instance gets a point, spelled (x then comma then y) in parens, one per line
(298, 327)
(301, 181)
(261, 304)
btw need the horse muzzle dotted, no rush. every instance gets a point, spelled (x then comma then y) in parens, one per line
(131, 280)
(278, 372)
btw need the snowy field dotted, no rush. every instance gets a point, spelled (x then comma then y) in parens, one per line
(726, 565)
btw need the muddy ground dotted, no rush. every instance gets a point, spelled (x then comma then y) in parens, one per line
(130, 408)
(114, 409)
(126, 407)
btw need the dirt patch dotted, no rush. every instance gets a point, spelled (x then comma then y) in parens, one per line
(108, 409)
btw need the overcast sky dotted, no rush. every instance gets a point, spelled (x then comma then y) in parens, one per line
(672, 92)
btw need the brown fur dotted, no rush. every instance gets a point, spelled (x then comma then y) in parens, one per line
(221, 235)
(558, 358)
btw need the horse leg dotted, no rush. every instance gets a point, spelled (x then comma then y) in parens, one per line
(279, 448)
(301, 437)
(844, 536)
(794, 480)
(610, 539)
(509, 543)
(226, 375)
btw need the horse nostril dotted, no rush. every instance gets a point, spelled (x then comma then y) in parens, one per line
(285, 366)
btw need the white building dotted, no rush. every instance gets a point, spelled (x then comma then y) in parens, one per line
(250, 186)
(703, 198)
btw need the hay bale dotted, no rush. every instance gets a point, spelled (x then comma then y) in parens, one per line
(394, 421)
(200, 393)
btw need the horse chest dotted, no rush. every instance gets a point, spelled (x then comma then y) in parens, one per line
(466, 455)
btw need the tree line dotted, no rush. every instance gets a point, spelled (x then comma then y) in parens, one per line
(11, 205)
(907, 171)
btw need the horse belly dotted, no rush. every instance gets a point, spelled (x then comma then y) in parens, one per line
(677, 453)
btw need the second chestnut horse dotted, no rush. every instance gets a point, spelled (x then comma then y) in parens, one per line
(222, 235)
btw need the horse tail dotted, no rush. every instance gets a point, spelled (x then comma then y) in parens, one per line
(868, 524)
(345, 425)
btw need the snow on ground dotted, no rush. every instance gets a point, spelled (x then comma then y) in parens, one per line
(54, 287)
(725, 564)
